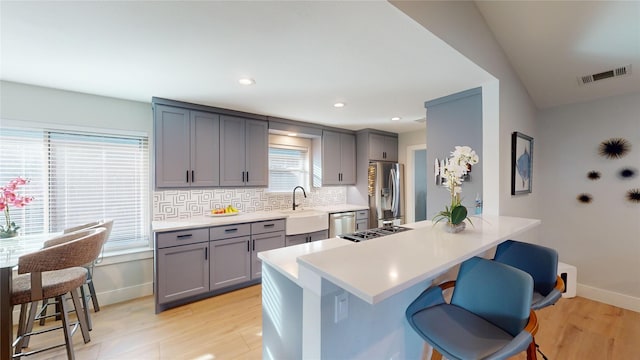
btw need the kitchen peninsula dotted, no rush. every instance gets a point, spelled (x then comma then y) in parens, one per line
(338, 299)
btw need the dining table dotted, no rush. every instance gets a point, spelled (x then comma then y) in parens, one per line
(10, 251)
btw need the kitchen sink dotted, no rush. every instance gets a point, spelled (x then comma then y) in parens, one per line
(301, 221)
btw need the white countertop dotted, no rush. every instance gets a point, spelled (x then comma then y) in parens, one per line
(341, 208)
(284, 259)
(377, 269)
(206, 221)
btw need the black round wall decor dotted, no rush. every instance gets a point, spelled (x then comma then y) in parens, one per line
(628, 173)
(614, 148)
(593, 175)
(633, 195)
(585, 198)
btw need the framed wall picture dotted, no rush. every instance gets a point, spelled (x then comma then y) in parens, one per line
(521, 163)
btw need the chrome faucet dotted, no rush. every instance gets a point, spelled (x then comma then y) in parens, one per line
(294, 196)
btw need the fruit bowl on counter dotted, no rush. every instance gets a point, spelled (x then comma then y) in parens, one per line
(226, 211)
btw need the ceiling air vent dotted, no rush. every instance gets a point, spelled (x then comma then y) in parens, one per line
(621, 71)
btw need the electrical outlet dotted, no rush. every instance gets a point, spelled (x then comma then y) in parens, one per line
(341, 307)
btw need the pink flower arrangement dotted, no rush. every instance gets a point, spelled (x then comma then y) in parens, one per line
(8, 196)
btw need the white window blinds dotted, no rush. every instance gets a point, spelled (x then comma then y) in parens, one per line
(82, 177)
(21, 154)
(288, 167)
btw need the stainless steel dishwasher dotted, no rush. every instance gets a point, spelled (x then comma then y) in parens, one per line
(342, 223)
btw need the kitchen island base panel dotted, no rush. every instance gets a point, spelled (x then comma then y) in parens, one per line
(281, 316)
(381, 277)
(300, 323)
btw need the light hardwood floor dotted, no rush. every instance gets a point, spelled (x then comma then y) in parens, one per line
(229, 327)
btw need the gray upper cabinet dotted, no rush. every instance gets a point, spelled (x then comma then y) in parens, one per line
(205, 149)
(338, 158)
(187, 147)
(383, 147)
(244, 145)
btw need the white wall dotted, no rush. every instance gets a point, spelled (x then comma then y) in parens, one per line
(452, 121)
(117, 278)
(602, 239)
(41, 104)
(607, 272)
(460, 24)
(406, 139)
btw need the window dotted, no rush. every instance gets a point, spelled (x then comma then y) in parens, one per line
(288, 167)
(78, 177)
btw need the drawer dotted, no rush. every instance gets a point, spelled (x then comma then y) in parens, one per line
(229, 231)
(182, 237)
(362, 214)
(267, 226)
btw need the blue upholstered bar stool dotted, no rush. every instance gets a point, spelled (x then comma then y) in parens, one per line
(541, 263)
(489, 316)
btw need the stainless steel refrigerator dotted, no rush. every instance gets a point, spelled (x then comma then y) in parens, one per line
(386, 193)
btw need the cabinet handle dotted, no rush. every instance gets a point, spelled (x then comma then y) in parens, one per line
(243, 176)
(187, 175)
(254, 244)
(230, 230)
(185, 236)
(193, 176)
(248, 248)
(206, 255)
(247, 176)
(384, 154)
(269, 225)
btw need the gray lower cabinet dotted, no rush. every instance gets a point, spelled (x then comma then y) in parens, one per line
(230, 255)
(362, 220)
(186, 146)
(244, 151)
(235, 248)
(338, 158)
(308, 237)
(265, 235)
(199, 261)
(230, 262)
(182, 264)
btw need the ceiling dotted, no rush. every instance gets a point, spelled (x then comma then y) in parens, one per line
(551, 44)
(304, 57)
(307, 55)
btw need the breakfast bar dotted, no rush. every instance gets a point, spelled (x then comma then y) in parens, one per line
(339, 299)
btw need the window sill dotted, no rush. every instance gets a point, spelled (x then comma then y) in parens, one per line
(127, 255)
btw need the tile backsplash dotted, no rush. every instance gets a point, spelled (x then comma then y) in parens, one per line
(183, 204)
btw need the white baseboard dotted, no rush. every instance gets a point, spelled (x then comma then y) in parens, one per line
(609, 297)
(125, 294)
(110, 297)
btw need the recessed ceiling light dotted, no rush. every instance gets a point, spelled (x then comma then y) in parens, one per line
(396, 118)
(292, 134)
(338, 104)
(247, 81)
